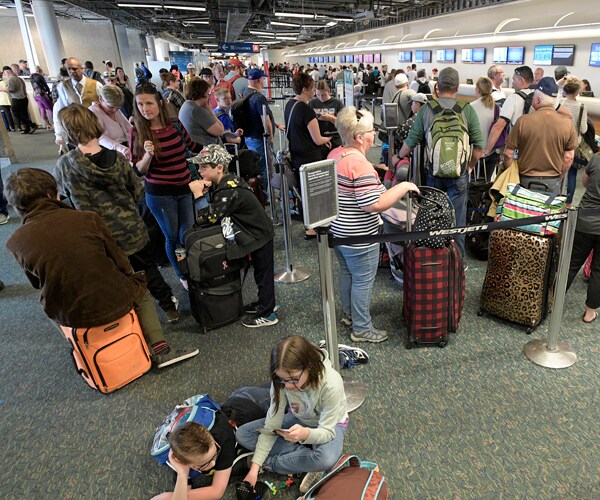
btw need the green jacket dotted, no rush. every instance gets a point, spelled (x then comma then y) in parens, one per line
(111, 190)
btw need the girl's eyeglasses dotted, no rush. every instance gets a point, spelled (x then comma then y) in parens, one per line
(293, 380)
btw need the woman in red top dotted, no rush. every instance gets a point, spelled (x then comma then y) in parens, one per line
(159, 148)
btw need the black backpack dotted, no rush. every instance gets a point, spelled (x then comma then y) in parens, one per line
(424, 88)
(240, 113)
(528, 98)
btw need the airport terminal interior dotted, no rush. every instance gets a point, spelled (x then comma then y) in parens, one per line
(475, 419)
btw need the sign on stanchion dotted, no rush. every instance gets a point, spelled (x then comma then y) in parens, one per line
(289, 274)
(269, 157)
(551, 353)
(320, 202)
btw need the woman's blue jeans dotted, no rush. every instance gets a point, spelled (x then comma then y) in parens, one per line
(293, 458)
(175, 215)
(358, 268)
(571, 183)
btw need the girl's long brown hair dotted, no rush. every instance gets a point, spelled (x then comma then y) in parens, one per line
(295, 353)
(142, 126)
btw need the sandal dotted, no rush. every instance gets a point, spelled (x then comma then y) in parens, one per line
(592, 320)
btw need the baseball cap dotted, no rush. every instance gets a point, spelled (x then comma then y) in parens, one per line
(213, 154)
(206, 72)
(237, 63)
(434, 70)
(400, 79)
(191, 65)
(21, 61)
(448, 77)
(109, 74)
(422, 98)
(548, 86)
(560, 72)
(255, 74)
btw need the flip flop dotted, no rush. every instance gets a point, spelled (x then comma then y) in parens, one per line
(592, 320)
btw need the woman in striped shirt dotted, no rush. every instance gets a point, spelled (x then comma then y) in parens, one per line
(159, 149)
(362, 197)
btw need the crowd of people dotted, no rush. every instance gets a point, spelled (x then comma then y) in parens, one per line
(113, 135)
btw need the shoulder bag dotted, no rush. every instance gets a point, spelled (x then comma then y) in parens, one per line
(583, 152)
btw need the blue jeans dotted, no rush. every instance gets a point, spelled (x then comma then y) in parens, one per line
(293, 458)
(175, 215)
(358, 267)
(258, 146)
(457, 190)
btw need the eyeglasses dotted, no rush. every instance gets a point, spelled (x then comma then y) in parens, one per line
(73, 69)
(200, 468)
(518, 73)
(359, 115)
(293, 380)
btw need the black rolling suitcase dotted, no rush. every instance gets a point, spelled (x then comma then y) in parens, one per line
(214, 281)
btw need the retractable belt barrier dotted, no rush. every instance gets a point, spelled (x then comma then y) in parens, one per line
(456, 230)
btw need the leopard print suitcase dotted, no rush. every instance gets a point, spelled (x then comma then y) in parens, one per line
(520, 276)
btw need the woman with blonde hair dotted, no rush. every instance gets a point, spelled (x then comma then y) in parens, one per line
(116, 126)
(487, 112)
(362, 197)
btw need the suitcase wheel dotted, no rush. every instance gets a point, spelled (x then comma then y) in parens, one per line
(480, 313)
(529, 330)
(410, 345)
(442, 343)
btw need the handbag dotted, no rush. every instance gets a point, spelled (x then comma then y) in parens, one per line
(520, 203)
(284, 161)
(583, 152)
(435, 211)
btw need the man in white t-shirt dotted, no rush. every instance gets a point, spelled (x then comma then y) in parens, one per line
(496, 74)
(314, 74)
(412, 73)
(513, 106)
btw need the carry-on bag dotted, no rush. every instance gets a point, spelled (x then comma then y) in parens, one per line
(520, 276)
(434, 293)
(214, 281)
(350, 479)
(110, 356)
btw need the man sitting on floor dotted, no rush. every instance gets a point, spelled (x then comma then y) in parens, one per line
(70, 256)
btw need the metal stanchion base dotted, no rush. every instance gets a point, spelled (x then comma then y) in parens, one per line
(356, 393)
(537, 352)
(296, 275)
(277, 222)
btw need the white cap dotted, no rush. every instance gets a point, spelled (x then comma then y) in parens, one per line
(400, 79)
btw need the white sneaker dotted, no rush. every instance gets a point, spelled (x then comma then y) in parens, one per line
(4, 219)
(310, 480)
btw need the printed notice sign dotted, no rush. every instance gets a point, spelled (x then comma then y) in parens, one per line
(318, 182)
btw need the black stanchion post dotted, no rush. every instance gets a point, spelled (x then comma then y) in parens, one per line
(552, 353)
(355, 391)
(289, 274)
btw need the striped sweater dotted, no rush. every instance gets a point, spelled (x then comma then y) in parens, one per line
(358, 186)
(168, 174)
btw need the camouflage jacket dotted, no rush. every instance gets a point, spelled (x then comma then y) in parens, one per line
(110, 190)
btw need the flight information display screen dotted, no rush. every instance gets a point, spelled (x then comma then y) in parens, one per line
(595, 55)
(515, 55)
(542, 55)
(563, 55)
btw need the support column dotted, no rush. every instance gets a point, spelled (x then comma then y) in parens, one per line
(31, 55)
(124, 50)
(151, 47)
(47, 25)
(164, 50)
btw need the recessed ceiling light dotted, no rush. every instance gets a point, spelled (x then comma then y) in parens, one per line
(160, 6)
(281, 23)
(294, 14)
(255, 32)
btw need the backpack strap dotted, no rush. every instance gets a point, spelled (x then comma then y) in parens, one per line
(435, 106)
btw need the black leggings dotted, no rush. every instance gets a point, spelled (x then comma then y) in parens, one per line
(583, 244)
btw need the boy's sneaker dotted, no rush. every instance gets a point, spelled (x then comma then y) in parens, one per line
(346, 320)
(175, 356)
(259, 322)
(375, 336)
(310, 480)
(349, 355)
(173, 312)
(253, 308)
(4, 218)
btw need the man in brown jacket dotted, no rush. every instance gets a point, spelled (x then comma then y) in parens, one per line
(70, 256)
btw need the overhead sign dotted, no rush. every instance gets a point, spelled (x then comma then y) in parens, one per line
(242, 48)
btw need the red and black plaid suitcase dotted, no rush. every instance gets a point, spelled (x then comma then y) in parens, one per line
(434, 293)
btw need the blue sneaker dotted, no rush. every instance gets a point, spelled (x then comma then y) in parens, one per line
(259, 322)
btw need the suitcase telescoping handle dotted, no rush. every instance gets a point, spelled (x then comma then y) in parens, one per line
(419, 198)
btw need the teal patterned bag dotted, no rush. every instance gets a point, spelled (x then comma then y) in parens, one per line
(520, 203)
